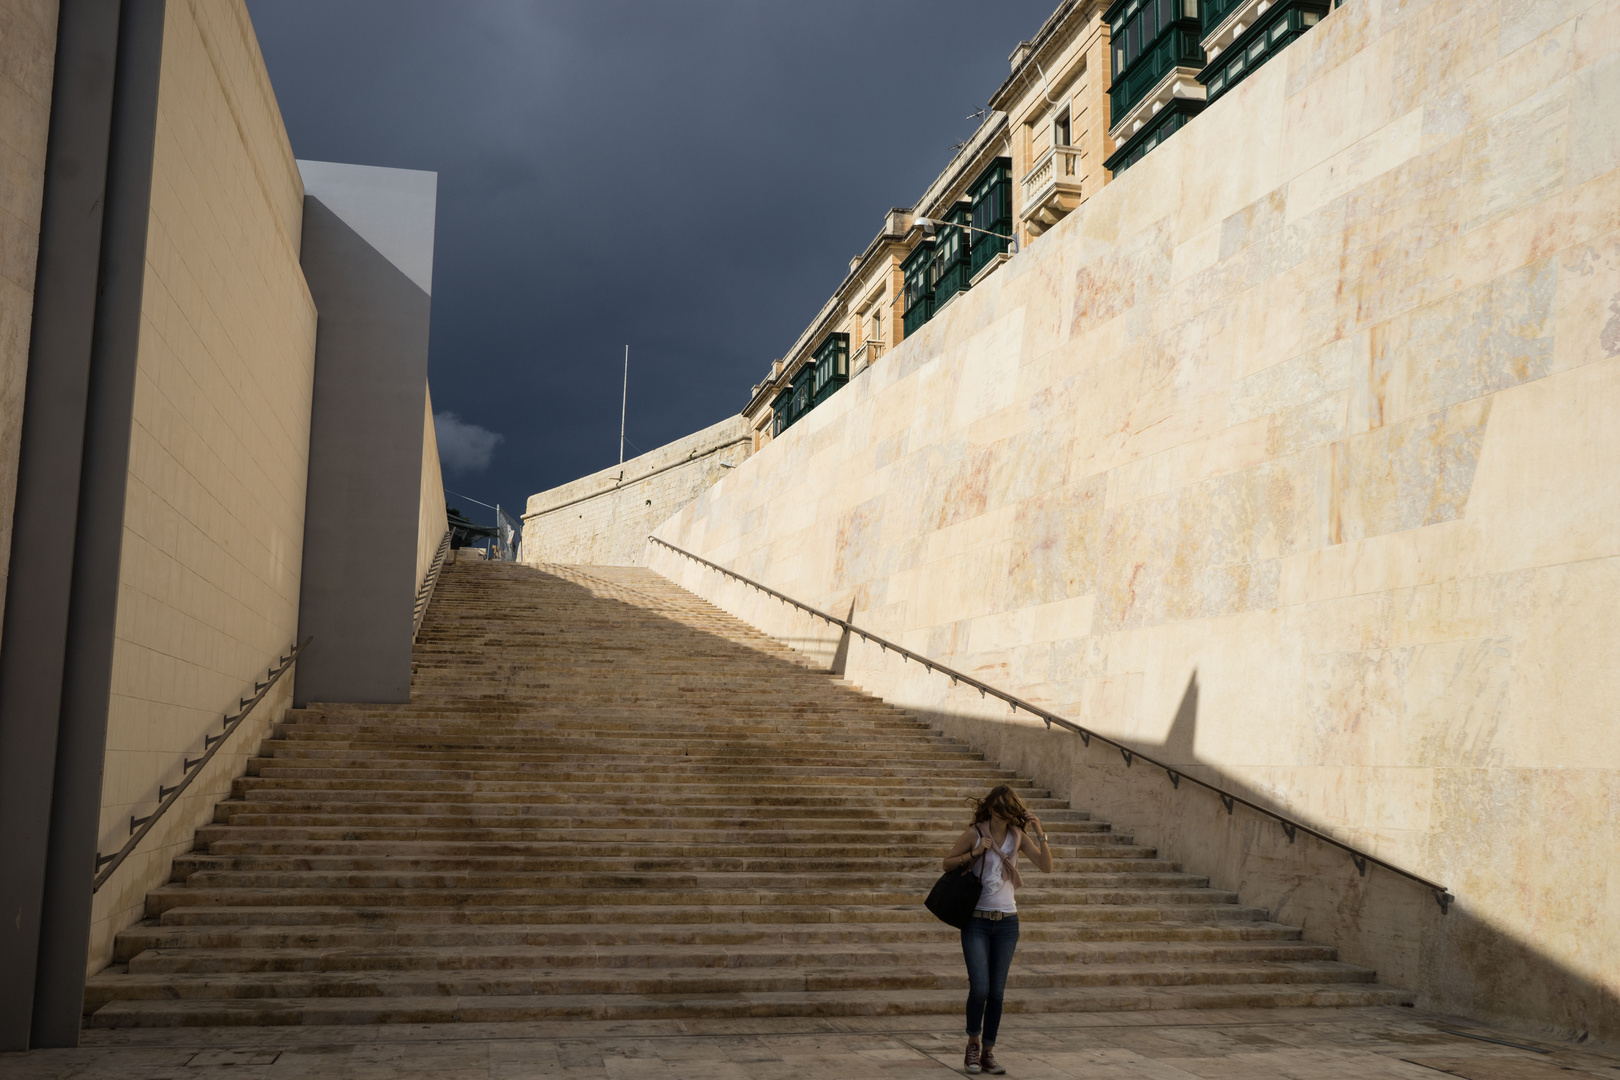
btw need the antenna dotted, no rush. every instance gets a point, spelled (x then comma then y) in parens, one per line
(623, 401)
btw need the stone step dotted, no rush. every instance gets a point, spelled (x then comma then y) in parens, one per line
(935, 956)
(503, 811)
(674, 876)
(638, 892)
(363, 854)
(225, 1012)
(274, 913)
(718, 938)
(911, 810)
(502, 982)
(519, 839)
(1071, 871)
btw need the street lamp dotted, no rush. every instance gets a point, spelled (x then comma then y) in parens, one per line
(928, 225)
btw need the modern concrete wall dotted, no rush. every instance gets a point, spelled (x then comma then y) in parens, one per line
(61, 597)
(432, 522)
(1290, 457)
(27, 60)
(367, 255)
(218, 459)
(604, 518)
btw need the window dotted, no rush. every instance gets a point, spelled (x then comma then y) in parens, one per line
(781, 412)
(919, 294)
(877, 323)
(831, 367)
(1060, 129)
(1191, 10)
(992, 212)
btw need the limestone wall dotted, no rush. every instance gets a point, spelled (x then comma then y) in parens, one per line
(1290, 456)
(432, 521)
(213, 526)
(604, 518)
(27, 60)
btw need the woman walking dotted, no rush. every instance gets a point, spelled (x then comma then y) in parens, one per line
(1002, 828)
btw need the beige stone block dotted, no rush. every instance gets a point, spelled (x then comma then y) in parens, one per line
(1197, 254)
(1524, 21)
(1594, 145)
(1562, 425)
(1597, 33)
(1400, 560)
(1588, 304)
(1372, 156)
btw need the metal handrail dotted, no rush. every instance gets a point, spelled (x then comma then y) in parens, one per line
(424, 595)
(1229, 799)
(168, 796)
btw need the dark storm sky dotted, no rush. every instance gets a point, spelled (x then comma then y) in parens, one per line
(689, 177)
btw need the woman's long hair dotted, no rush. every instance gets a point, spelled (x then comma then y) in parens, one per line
(1004, 801)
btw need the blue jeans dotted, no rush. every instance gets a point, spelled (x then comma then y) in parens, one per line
(987, 946)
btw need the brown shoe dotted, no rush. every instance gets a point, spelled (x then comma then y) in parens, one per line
(970, 1060)
(988, 1062)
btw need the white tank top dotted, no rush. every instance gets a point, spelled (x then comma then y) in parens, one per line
(997, 894)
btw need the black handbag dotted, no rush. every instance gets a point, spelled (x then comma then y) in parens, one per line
(955, 895)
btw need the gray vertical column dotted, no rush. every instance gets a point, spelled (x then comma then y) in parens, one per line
(46, 514)
(81, 739)
(358, 591)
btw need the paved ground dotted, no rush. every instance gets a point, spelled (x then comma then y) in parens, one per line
(1272, 1044)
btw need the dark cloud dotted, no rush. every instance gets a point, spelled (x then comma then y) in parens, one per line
(690, 178)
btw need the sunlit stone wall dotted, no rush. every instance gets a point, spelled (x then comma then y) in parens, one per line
(1292, 457)
(219, 448)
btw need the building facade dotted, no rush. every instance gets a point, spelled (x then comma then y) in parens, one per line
(1035, 157)
(1099, 87)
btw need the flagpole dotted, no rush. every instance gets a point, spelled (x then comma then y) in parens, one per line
(623, 401)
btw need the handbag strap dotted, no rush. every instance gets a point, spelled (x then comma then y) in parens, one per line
(1006, 865)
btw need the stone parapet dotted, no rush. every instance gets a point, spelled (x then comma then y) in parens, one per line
(604, 518)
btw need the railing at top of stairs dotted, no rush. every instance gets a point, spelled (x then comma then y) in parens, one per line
(1230, 800)
(168, 796)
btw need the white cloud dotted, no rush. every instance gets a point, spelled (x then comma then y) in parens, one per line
(463, 447)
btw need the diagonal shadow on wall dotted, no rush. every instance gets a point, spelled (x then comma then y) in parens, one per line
(1458, 961)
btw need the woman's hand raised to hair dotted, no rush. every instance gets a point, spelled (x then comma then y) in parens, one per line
(1035, 844)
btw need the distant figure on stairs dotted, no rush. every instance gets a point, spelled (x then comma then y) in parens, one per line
(1001, 826)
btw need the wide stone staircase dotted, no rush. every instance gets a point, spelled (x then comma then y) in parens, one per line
(608, 799)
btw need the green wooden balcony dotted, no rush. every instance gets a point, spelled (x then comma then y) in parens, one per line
(919, 296)
(1150, 39)
(1165, 123)
(1242, 39)
(782, 412)
(951, 272)
(829, 368)
(991, 197)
